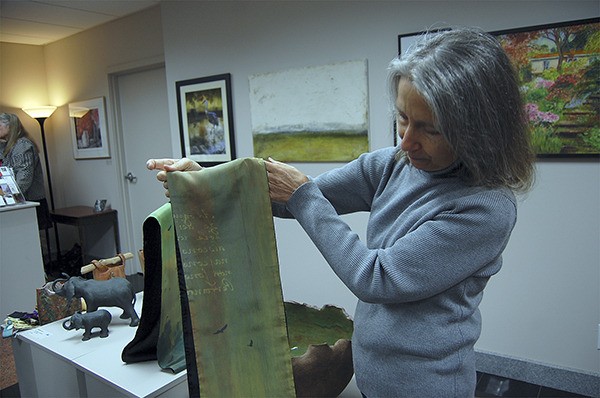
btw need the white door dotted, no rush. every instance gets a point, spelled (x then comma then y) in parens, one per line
(144, 123)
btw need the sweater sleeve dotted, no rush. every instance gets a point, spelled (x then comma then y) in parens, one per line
(351, 187)
(23, 163)
(465, 240)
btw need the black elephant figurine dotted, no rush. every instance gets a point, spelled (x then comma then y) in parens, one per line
(115, 292)
(89, 320)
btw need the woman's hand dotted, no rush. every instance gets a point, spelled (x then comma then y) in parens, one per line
(165, 165)
(283, 180)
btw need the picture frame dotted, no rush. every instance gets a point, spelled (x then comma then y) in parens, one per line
(560, 101)
(558, 67)
(205, 115)
(89, 134)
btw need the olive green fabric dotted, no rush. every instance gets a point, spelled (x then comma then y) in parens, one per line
(169, 347)
(228, 254)
(160, 333)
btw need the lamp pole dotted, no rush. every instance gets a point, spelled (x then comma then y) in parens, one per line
(41, 121)
(40, 114)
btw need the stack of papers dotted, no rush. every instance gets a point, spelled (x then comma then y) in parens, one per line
(10, 194)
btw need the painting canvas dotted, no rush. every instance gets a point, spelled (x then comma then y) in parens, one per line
(206, 119)
(88, 129)
(311, 114)
(558, 67)
(559, 71)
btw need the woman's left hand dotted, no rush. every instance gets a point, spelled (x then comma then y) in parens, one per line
(283, 180)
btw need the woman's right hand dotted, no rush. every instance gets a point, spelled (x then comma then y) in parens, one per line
(165, 165)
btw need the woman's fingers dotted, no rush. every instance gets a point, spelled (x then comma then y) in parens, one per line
(165, 165)
(183, 164)
(158, 164)
(283, 180)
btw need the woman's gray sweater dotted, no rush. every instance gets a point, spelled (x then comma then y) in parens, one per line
(25, 162)
(432, 243)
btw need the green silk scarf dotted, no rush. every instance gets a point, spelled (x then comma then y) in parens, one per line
(236, 329)
(160, 332)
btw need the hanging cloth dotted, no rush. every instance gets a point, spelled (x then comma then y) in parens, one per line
(234, 322)
(160, 332)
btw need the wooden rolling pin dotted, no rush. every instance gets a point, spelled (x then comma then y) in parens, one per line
(107, 261)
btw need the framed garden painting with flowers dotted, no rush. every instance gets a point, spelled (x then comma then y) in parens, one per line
(559, 71)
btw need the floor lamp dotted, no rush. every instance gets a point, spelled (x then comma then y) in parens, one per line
(41, 113)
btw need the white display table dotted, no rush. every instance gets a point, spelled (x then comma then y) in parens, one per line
(21, 264)
(54, 362)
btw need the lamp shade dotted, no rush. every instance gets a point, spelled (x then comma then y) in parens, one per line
(40, 111)
(77, 111)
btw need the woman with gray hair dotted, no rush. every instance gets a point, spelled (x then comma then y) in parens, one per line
(442, 208)
(18, 151)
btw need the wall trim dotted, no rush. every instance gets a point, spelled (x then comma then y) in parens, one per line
(156, 61)
(565, 379)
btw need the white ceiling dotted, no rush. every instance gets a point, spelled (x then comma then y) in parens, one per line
(44, 21)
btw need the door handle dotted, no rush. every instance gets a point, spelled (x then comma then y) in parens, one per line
(130, 177)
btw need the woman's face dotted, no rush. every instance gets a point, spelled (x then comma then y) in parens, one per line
(4, 130)
(425, 147)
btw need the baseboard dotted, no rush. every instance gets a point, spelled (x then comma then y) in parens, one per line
(570, 380)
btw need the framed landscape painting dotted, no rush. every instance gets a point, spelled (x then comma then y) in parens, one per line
(559, 71)
(558, 67)
(206, 119)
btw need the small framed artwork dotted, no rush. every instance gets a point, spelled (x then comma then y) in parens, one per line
(206, 119)
(89, 134)
(558, 66)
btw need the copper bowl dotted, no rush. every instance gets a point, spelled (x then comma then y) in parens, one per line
(321, 349)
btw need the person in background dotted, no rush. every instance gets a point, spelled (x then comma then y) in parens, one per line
(442, 208)
(18, 151)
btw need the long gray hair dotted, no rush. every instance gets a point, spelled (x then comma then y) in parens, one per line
(15, 131)
(472, 90)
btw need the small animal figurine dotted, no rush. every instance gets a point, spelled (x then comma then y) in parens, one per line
(89, 320)
(115, 292)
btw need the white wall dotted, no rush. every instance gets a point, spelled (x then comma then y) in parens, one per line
(77, 69)
(544, 305)
(23, 84)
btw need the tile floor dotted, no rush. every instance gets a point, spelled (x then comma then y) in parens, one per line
(495, 386)
(487, 386)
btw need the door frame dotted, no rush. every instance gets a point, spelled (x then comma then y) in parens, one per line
(116, 125)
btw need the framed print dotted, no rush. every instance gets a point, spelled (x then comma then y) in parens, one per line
(206, 119)
(558, 67)
(559, 72)
(329, 119)
(89, 134)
